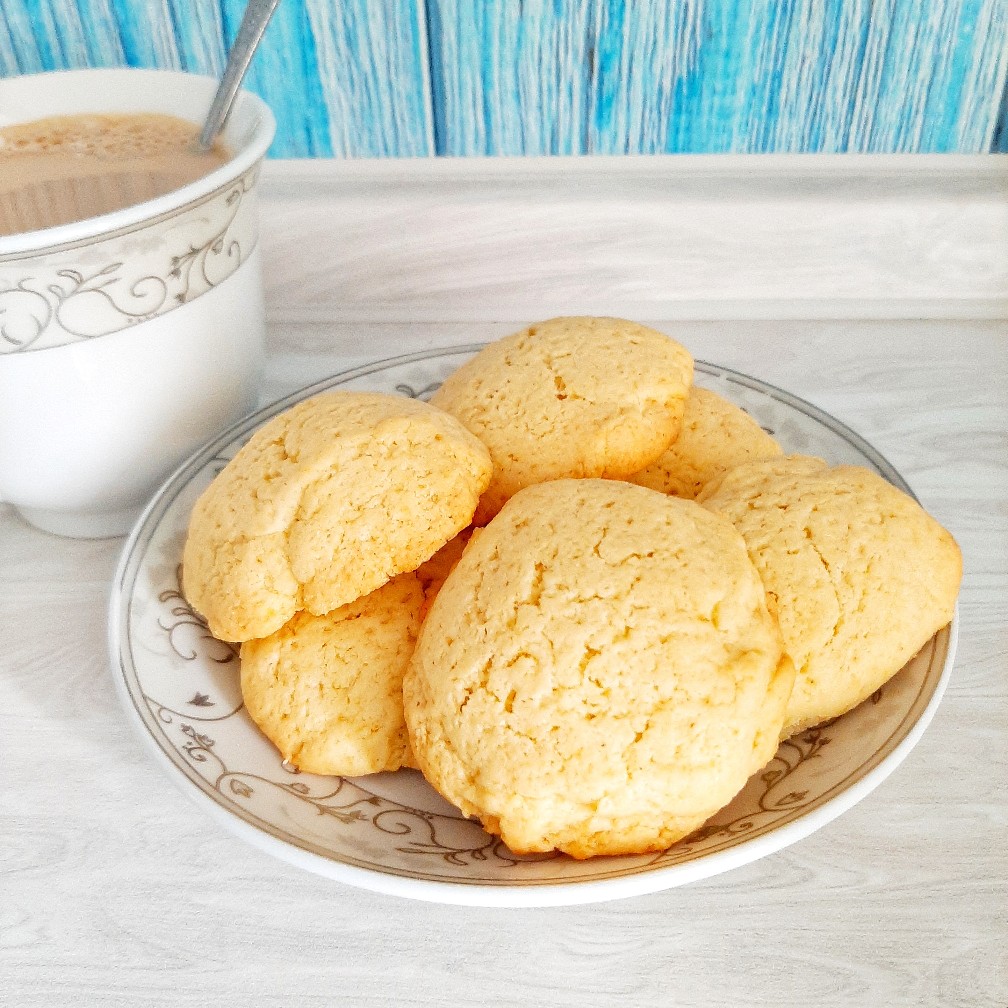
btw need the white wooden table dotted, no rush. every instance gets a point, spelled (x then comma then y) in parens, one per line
(115, 890)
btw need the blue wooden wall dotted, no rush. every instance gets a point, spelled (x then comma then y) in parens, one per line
(473, 77)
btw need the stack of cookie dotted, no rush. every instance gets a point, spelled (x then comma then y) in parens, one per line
(584, 597)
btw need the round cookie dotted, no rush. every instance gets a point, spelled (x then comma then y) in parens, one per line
(570, 397)
(599, 673)
(716, 436)
(325, 503)
(861, 576)
(327, 690)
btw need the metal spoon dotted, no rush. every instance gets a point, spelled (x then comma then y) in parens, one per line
(257, 16)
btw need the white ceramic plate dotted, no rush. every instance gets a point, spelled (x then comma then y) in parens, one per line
(392, 832)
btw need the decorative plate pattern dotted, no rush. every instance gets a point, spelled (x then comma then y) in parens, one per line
(392, 832)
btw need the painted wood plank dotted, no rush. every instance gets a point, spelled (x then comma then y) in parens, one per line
(65, 35)
(19, 51)
(990, 79)
(1001, 133)
(343, 77)
(690, 75)
(388, 78)
(284, 72)
(199, 30)
(372, 65)
(148, 34)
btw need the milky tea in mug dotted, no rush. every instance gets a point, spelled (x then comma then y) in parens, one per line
(131, 302)
(68, 168)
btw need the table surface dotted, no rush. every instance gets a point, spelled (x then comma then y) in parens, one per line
(114, 889)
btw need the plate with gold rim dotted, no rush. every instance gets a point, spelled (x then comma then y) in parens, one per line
(392, 832)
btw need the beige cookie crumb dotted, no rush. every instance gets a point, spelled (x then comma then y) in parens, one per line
(599, 673)
(860, 574)
(716, 436)
(325, 503)
(570, 397)
(327, 690)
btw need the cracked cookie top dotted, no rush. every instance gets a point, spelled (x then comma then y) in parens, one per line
(861, 576)
(570, 397)
(599, 673)
(716, 436)
(325, 503)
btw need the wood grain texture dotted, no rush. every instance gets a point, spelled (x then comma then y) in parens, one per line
(371, 61)
(345, 79)
(114, 890)
(610, 77)
(284, 72)
(655, 238)
(462, 77)
(1000, 144)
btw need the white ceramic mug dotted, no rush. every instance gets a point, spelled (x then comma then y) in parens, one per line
(129, 339)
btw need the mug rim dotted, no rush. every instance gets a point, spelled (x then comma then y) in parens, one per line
(30, 243)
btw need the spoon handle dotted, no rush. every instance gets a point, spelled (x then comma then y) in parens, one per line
(257, 16)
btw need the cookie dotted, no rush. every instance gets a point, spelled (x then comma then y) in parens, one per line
(327, 690)
(433, 573)
(325, 503)
(861, 576)
(716, 436)
(570, 397)
(599, 673)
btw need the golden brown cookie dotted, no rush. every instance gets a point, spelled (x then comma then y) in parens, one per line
(861, 576)
(570, 397)
(599, 673)
(325, 503)
(716, 436)
(327, 690)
